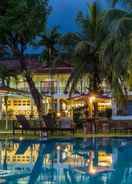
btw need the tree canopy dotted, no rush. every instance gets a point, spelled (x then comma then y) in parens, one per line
(20, 22)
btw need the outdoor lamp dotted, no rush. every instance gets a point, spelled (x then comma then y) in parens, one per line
(58, 114)
(92, 98)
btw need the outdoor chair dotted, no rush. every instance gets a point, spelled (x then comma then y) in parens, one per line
(66, 124)
(120, 125)
(102, 125)
(52, 125)
(23, 124)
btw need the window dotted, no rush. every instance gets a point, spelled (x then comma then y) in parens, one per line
(9, 102)
(49, 86)
(21, 103)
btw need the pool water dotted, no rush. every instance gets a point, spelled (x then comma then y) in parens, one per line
(66, 161)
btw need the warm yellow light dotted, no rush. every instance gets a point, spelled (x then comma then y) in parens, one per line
(92, 99)
(58, 114)
(66, 111)
(20, 138)
(92, 171)
(104, 104)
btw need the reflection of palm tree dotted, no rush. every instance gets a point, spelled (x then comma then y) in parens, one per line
(37, 169)
(38, 165)
(69, 176)
(5, 160)
(122, 165)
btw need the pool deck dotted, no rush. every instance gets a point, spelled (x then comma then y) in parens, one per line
(8, 135)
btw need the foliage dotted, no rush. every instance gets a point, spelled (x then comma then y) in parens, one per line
(20, 22)
(5, 75)
(86, 59)
(105, 45)
(116, 50)
(50, 41)
(127, 2)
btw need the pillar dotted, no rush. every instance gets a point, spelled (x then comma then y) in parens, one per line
(0, 108)
(114, 107)
(58, 105)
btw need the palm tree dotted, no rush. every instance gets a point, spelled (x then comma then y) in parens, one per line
(19, 34)
(87, 50)
(105, 43)
(50, 42)
(85, 54)
(116, 52)
(127, 2)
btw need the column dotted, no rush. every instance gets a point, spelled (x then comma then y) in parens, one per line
(0, 107)
(58, 106)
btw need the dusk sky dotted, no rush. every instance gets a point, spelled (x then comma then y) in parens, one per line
(64, 12)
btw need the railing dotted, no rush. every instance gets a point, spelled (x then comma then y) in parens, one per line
(57, 91)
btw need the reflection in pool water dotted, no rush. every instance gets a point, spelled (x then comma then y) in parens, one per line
(66, 161)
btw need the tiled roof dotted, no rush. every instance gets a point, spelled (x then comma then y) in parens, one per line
(12, 91)
(36, 67)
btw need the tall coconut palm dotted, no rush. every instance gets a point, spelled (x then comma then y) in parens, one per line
(116, 51)
(127, 2)
(50, 42)
(85, 53)
(105, 44)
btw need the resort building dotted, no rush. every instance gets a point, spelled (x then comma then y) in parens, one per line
(51, 85)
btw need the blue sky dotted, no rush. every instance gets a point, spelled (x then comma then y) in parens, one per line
(65, 11)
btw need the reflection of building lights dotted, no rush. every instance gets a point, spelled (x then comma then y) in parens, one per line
(105, 160)
(47, 159)
(58, 147)
(92, 171)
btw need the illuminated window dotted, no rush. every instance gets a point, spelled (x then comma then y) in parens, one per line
(9, 102)
(49, 86)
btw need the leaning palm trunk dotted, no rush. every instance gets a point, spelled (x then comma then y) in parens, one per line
(35, 94)
(33, 90)
(122, 98)
(6, 111)
(123, 106)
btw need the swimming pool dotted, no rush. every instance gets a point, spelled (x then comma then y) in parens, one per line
(66, 161)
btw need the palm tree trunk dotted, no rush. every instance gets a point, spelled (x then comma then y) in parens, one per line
(51, 78)
(6, 111)
(35, 94)
(33, 90)
(124, 106)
